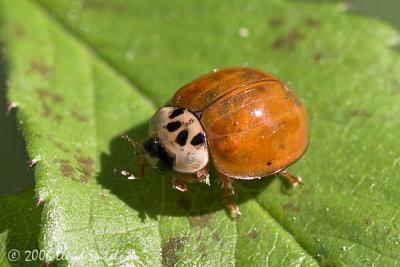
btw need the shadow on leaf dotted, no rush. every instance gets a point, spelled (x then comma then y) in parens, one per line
(153, 195)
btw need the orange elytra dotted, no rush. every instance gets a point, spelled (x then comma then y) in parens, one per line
(247, 122)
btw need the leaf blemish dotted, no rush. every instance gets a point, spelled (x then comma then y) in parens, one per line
(253, 233)
(287, 41)
(312, 22)
(46, 96)
(202, 249)
(41, 68)
(291, 207)
(200, 221)
(169, 250)
(60, 146)
(86, 167)
(19, 31)
(317, 57)
(368, 221)
(276, 22)
(360, 113)
(216, 236)
(66, 169)
(79, 116)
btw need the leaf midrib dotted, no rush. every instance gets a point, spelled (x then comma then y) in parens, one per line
(111, 66)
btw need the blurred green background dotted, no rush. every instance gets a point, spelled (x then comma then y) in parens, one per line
(14, 174)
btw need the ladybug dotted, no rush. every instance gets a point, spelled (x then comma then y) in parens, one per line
(247, 122)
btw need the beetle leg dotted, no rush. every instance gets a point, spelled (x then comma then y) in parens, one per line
(180, 179)
(179, 184)
(203, 176)
(10, 107)
(140, 162)
(294, 180)
(127, 174)
(228, 192)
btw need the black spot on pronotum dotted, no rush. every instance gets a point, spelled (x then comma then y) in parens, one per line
(173, 126)
(198, 139)
(176, 113)
(182, 137)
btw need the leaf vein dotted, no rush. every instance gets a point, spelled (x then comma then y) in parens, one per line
(306, 251)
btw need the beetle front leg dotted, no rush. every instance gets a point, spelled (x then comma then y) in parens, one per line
(227, 186)
(179, 184)
(125, 173)
(180, 179)
(203, 176)
(140, 162)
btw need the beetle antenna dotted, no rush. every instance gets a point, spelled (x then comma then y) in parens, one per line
(134, 143)
(139, 155)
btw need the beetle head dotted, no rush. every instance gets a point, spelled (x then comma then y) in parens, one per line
(156, 155)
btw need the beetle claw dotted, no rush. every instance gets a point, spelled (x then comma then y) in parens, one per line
(38, 201)
(203, 178)
(234, 211)
(126, 173)
(32, 163)
(10, 107)
(179, 185)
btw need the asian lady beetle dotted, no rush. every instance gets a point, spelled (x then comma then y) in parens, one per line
(247, 121)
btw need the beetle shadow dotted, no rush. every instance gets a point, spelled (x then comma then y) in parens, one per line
(153, 195)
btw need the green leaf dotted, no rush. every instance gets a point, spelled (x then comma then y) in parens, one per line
(19, 230)
(83, 72)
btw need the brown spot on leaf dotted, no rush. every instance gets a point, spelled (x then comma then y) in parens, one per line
(19, 31)
(253, 233)
(202, 249)
(276, 22)
(66, 169)
(216, 236)
(170, 249)
(48, 98)
(287, 41)
(41, 68)
(79, 116)
(317, 57)
(58, 118)
(291, 207)
(86, 167)
(60, 146)
(312, 22)
(360, 113)
(184, 203)
(368, 221)
(200, 221)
